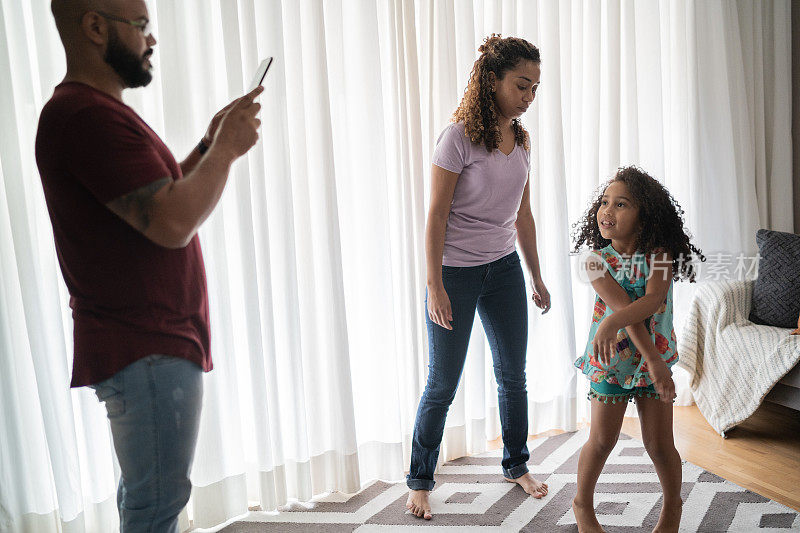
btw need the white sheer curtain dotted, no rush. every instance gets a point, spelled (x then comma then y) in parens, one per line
(315, 254)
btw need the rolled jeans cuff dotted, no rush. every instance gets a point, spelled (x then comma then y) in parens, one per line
(515, 471)
(420, 484)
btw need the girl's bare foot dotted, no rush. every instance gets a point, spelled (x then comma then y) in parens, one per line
(418, 503)
(585, 518)
(670, 519)
(530, 484)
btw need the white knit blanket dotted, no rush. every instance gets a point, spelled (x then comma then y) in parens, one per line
(733, 363)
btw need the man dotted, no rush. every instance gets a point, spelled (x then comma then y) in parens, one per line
(125, 216)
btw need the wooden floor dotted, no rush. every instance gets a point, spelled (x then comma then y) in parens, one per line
(762, 454)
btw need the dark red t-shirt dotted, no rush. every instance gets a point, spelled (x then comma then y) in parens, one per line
(129, 296)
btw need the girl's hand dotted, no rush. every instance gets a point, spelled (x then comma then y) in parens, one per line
(662, 381)
(604, 342)
(439, 309)
(540, 295)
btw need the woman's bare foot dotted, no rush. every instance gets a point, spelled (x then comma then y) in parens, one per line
(670, 519)
(585, 518)
(418, 503)
(530, 484)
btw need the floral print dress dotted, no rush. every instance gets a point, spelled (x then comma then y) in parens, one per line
(627, 368)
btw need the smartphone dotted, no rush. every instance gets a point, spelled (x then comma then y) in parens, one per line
(261, 72)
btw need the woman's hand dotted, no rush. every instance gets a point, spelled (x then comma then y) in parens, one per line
(604, 342)
(662, 381)
(540, 295)
(439, 309)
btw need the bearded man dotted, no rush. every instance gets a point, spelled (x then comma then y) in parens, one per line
(125, 216)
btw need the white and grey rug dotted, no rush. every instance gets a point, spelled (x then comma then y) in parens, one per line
(471, 496)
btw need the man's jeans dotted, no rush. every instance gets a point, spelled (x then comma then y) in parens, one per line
(154, 409)
(497, 290)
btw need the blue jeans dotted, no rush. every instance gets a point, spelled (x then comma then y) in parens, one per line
(153, 406)
(497, 290)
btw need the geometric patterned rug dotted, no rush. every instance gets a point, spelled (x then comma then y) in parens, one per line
(471, 497)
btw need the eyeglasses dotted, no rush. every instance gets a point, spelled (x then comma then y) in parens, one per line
(143, 25)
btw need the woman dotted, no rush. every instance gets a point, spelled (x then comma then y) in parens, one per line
(480, 206)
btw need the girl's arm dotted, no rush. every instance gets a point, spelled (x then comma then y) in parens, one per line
(526, 236)
(656, 291)
(618, 300)
(443, 185)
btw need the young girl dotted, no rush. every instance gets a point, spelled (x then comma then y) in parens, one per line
(480, 205)
(639, 246)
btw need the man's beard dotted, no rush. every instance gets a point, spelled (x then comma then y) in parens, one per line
(125, 63)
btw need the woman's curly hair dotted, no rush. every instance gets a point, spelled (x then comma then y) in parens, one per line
(477, 107)
(660, 216)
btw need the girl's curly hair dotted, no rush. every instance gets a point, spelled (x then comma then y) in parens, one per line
(661, 219)
(477, 107)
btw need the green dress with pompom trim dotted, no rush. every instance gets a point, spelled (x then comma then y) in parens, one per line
(627, 368)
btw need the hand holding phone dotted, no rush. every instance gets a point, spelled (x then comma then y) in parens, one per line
(258, 79)
(238, 130)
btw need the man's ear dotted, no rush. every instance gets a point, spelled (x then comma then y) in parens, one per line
(95, 28)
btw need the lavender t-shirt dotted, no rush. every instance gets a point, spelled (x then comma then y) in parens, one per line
(480, 228)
